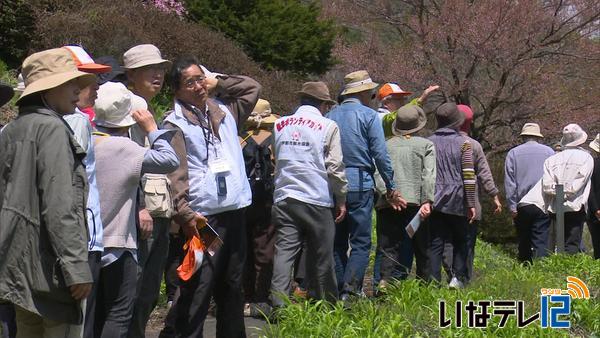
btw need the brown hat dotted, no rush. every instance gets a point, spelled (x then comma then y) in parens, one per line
(448, 116)
(49, 69)
(357, 82)
(317, 90)
(409, 119)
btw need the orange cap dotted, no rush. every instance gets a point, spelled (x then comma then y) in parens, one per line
(84, 61)
(389, 89)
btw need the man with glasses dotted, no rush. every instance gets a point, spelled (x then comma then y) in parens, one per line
(210, 186)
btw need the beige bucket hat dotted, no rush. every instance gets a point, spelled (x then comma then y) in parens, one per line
(595, 144)
(143, 55)
(49, 69)
(573, 136)
(261, 116)
(317, 90)
(409, 120)
(531, 129)
(357, 82)
(114, 106)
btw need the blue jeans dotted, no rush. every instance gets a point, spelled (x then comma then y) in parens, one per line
(356, 231)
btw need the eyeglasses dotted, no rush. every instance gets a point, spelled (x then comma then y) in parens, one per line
(193, 82)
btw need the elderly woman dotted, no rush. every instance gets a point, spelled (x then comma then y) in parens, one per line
(413, 161)
(120, 163)
(44, 269)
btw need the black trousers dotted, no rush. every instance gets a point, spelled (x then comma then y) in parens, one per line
(449, 252)
(573, 230)
(174, 257)
(533, 230)
(446, 228)
(594, 226)
(392, 236)
(220, 277)
(116, 296)
(90, 310)
(260, 248)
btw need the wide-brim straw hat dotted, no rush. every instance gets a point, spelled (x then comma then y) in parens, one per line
(409, 119)
(6, 93)
(357, 82)
(49, 69)
(573, 136)
(143, 55)
(595, 144)
(114, 106)
(316, 90)
(531, 129)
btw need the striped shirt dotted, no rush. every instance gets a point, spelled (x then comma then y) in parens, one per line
(468, 173)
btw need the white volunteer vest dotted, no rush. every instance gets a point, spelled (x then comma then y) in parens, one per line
(300, 171)
(203, 196)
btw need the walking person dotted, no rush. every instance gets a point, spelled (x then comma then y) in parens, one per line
(120, 163)
(485, 183)
(211, 187)
(363, 146)
(257, 147)
(44, 270)
(454, 202)
(523, 168)
(413, 161)
(593, 219)
(309, 182)
(572, 167)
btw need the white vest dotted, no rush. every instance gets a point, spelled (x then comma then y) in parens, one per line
(203, 196)
(300, 171)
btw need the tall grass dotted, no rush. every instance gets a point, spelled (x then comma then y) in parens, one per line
(411, 309)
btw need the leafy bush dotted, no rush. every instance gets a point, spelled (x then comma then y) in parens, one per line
(17, 25)
(410, 308)
(280, 34)
(106, 27)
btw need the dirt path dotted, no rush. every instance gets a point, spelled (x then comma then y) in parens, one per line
(155, 324)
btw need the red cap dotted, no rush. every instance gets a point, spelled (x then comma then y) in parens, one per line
(466, 110)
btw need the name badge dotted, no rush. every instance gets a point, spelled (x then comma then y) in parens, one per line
(218, 166)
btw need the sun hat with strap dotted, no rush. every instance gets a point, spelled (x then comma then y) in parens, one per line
(49, 69)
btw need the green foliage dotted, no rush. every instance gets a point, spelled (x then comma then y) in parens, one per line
(279, 34)
(411, 308)
(17, 24)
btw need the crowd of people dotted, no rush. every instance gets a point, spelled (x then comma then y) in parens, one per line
(98, 199)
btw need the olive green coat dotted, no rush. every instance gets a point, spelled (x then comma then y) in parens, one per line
(43, 231)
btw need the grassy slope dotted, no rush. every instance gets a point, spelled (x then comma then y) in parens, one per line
(411, 309)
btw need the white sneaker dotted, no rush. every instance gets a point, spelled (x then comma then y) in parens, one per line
(455, 284)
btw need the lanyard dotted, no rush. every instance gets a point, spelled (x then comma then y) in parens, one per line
(207, 132)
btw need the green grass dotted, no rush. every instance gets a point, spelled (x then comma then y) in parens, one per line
(410, 308)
